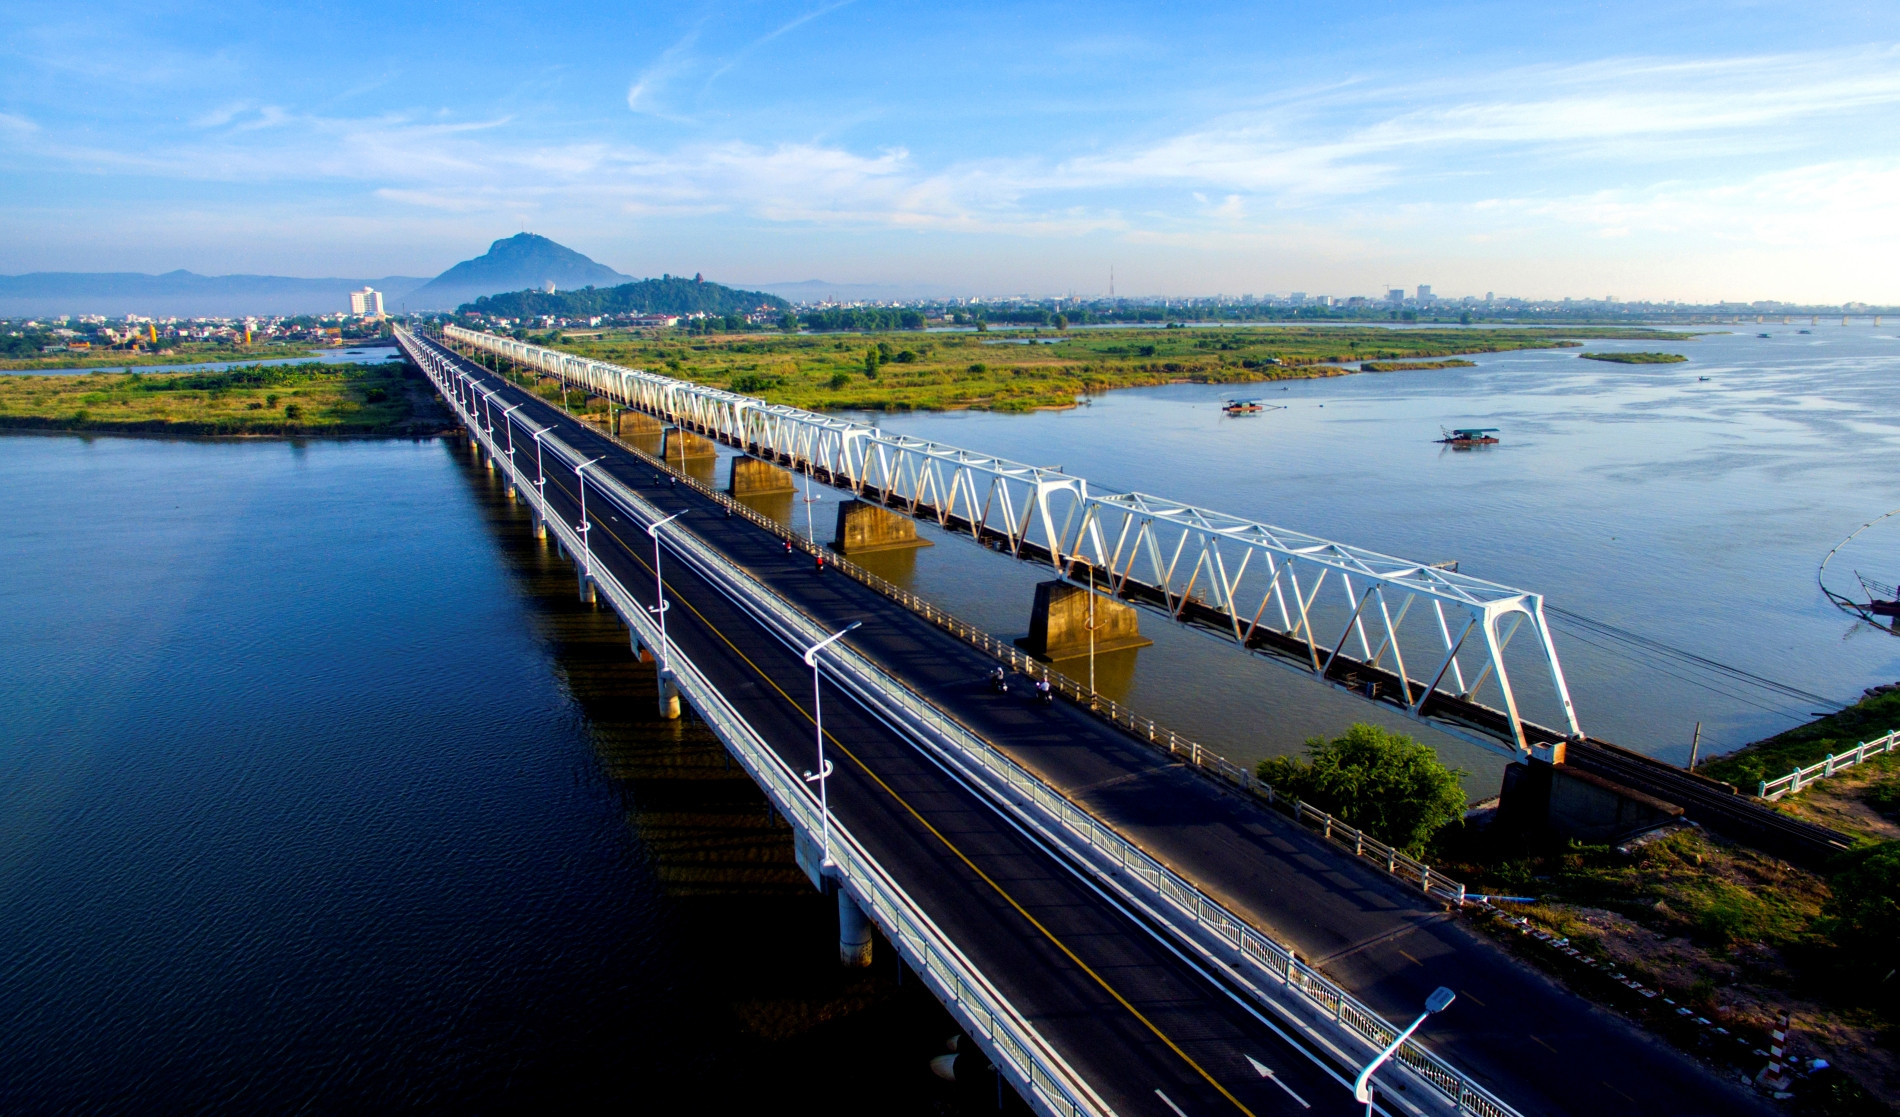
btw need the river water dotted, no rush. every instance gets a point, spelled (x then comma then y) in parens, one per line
(321, 792)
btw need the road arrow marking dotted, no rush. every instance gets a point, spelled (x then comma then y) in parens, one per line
(1267, 1072)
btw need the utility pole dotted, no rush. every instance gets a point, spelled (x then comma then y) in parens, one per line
(1695, 745)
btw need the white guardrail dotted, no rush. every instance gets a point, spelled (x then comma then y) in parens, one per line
(1263, 965)
(1035, 1070)
(1801, 777)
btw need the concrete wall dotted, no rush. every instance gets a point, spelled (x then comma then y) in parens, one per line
(1564, 802)
(870, 527)
(1059, 623)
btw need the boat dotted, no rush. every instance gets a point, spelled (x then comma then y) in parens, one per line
(1764, 335)
(1242, 406)
(1466, 437)
(1701, 378)
(1804, 331)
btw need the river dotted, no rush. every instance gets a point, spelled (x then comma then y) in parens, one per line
(320, 791)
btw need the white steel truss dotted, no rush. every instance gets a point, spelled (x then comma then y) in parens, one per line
(1340, 611)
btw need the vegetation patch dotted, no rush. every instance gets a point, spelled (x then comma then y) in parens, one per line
(1021, 370)
(1409, 366)
(304, 399)
(1382, 782)
(1636, 358)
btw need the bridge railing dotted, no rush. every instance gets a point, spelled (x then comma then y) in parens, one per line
(1066, 823)
(1802, 777)
(1039, 1073)
(1246, 579)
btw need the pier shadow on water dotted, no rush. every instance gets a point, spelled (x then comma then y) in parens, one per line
(783, 1024)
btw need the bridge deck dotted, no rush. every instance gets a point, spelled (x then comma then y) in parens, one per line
(1532, 1042)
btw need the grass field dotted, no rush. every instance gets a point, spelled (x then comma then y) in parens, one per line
(1023, 370)
(185, 353)
(308, 399)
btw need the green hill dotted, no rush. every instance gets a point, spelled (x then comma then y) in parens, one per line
(669, 294)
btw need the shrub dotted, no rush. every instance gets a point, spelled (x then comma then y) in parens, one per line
(839, 379)
(292, 412)
(1384, 783)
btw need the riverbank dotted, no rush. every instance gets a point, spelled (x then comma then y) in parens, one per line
(1031, 370)
(1636, 358)
(348, 400)
(188, 354)
(1734, 935)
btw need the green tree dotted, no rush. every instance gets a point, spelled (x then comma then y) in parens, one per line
(872, 359)
(1062, 322)
(1382, 782)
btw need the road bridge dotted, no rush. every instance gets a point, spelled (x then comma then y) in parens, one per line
(1117, 934)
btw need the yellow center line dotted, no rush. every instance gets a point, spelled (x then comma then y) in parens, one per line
(948, 844)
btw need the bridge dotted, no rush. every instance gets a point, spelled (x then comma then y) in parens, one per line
(1115, 932)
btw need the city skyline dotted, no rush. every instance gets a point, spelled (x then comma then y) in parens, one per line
(1672, 153)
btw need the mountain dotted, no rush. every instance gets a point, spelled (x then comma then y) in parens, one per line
(523, 261)
(669, 294)
(186, 294)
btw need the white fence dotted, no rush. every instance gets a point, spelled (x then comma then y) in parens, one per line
(1801, 777)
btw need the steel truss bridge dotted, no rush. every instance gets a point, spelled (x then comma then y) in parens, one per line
(1426, 640)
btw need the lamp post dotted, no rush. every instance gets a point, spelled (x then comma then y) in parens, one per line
(587, 550)
(509, 426)
(818, 722)
(811, 537)
(659, 587)
(1439, 1001)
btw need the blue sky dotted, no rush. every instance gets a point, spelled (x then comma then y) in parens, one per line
(1645, 150)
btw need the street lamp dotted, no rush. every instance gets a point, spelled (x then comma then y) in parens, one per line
(1439, 1001)
(659, 588)
(811, 536)
(818, 722)
(587, 550)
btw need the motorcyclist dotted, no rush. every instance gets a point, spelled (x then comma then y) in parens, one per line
(998, 680)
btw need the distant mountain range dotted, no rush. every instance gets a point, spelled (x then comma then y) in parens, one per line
(523, 264)
(670, 294)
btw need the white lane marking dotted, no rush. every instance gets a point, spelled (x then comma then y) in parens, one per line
(1267, 1072)
(1169, 1100)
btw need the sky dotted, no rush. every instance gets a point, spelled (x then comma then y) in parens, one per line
(1657, 150)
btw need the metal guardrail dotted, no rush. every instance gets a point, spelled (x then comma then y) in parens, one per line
(1038, 1073)
(1062, 820)
(1802, 777)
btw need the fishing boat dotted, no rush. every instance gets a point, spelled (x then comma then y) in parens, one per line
(1242, 406)
(1463, 438)
(1701, 378)
(1764, 335)
(1804, 331)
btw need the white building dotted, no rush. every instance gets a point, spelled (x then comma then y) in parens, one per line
(367, 303)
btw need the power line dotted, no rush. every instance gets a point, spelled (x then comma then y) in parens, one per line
(1681, 655)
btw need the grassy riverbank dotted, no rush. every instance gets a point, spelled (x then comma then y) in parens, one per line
(1022, 370)
(1411, 366)
(187, 353)
(278, 400)
(1636, 358)
(1803, 745)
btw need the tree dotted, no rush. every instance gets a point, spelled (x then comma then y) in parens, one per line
(1062, 322)
(1382, 782)
(872, 359)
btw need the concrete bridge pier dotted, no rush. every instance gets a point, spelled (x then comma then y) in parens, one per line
(871, 527)
(753, 477)
(540, 528)
(1059, 623)
(669, 694)
(588, 594)
(684, 446)
(854, 932)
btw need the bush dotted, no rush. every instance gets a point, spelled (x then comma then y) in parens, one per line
(1866, 905)
(292, 412)
(1384, 783)
(839, 379)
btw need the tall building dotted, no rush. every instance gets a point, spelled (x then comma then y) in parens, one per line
(1395, 295)
(1424, 292)
(367, 303)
